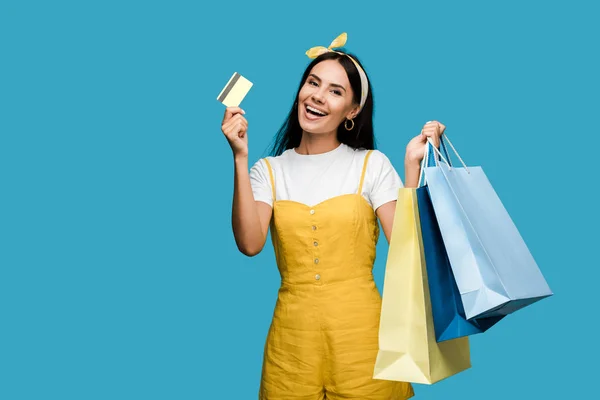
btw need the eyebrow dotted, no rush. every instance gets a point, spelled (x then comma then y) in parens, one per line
(331, 84)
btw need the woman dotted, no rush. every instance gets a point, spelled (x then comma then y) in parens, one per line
(322, 193)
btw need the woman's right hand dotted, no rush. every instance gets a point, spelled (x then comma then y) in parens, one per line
(235, 129)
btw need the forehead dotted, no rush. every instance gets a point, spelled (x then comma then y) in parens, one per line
(331, 71)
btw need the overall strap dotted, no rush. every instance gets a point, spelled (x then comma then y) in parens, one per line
(362, 175)
(271, 176)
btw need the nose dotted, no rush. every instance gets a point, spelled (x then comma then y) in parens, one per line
(318, 96)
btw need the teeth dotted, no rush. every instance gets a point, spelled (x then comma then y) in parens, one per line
(315, 110)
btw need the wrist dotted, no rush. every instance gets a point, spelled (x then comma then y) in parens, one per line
(240, 159)
(410, 163)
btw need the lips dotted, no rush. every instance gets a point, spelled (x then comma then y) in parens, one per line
(313, 113)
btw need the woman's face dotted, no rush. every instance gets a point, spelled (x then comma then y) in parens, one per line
(326, 98)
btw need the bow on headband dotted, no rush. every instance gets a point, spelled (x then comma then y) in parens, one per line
(316, 51)
(340, 41)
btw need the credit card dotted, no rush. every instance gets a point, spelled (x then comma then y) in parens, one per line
(234, 92)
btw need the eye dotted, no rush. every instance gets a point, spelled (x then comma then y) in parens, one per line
(313, 83)
(336, 92)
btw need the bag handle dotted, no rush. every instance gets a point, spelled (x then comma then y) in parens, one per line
(443, 144)
(455, 152)
(432, 158)
(445, 137)
(430, 154)
(429, 160)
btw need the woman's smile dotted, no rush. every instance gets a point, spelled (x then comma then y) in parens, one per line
(313, 113)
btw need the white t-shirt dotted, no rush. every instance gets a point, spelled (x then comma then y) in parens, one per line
(311, 179)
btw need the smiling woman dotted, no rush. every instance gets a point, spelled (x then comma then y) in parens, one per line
(321, 193)
(332, 80)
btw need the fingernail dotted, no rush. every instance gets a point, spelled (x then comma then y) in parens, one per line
(243, 112)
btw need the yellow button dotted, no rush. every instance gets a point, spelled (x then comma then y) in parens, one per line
(316, 260)
(314, 228)
(312, 212)
(316, 243)
(317, 276)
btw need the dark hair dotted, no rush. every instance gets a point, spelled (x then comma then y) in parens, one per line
(361, 136)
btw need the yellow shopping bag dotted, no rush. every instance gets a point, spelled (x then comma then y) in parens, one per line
(408, 350)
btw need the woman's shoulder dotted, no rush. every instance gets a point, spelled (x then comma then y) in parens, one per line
(379, 162)
(265, 161)
(376, 156)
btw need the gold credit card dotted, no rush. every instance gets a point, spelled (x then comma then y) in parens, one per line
(234, 92)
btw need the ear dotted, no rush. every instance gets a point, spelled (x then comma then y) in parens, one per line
(353, 112)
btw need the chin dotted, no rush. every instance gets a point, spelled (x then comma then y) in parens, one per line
(314, 130)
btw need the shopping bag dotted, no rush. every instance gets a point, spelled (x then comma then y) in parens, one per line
(493, 268)
(408, 350)
(449, 316)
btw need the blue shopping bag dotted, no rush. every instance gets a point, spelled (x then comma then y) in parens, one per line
(449, 317)
(494, 270)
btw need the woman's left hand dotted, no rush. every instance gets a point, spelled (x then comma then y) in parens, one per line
(415, 150)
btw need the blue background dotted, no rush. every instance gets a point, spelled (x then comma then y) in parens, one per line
(119, 275)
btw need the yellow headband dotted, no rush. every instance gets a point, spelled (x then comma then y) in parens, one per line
(340, 41)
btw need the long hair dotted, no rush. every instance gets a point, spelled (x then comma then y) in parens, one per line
(361, 136)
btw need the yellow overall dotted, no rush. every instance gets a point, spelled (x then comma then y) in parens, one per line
(323, 339)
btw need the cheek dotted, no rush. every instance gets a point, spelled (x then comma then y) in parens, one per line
(338, 106)
(304, 92)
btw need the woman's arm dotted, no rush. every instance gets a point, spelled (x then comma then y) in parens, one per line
(249, 218)
(412, 170)
(386, 213)
(415, 151)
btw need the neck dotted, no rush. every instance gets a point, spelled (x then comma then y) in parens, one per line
(312, 143)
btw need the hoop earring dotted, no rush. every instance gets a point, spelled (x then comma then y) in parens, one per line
(346, 124)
